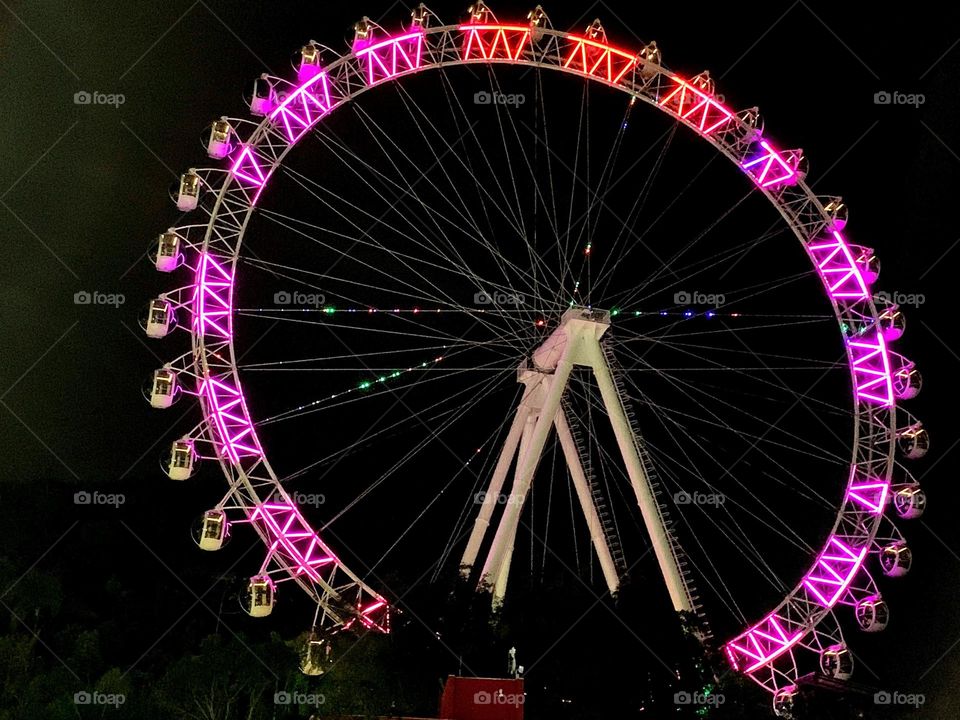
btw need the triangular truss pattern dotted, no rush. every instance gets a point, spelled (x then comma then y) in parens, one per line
(212, 298)
(872, 496)
(494, 42)
(834, 571)
(301, 110)
(598, 60)
(387, 59)
(762, 644)
(871, 368)
(695, 106)
(838, 268)
(768, 168)
(228, 416)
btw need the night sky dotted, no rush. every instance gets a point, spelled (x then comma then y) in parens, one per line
(83, 193)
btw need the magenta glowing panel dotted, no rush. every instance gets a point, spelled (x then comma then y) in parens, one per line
(833, 572)
(870, 496)
(494, 42)
(386, 59)
(768, 168)
(599, 60)
(230, 425)
(211, 298)
(761, 644)
(301, 110)
(247, 168)
(838, 268)
(695, 106)
(872, 372)
(292, 539)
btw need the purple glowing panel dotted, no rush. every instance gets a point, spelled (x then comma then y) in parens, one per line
(833, 572)
(871, 496)
(211, 300)
(838, 268)
(871, 369)
(386, 59)
(246, 168)
(761, 645)
(301, 110)
(768, 168)
(231, 428)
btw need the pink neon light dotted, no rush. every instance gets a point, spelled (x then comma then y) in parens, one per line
(761, 645)
(834, 572)
(304, 107)
(389, 58)
(696, 106)
(872, 495)
(773, 169)
(598, 60)
(300, 545)
(211, 300)
(872, 373)
(497, 46)
(838, 268)
(231, 426)
(246, 168)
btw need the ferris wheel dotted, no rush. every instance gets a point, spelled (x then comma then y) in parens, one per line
(515, 260)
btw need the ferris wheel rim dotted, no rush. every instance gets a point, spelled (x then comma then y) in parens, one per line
(267, 130)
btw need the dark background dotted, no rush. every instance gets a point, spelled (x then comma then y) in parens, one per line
(83, 193)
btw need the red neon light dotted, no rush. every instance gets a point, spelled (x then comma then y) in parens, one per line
(694, 105)
(493, 42)
(598, 60)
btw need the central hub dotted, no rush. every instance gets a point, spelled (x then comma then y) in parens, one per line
(576, 324)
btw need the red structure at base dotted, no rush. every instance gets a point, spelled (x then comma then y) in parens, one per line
(482, 699)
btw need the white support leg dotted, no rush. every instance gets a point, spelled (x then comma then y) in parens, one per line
(496, 569)
(480, 525)
(641, 484)
(586, 503)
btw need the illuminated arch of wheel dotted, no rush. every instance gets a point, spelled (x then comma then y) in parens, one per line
(803, 621)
